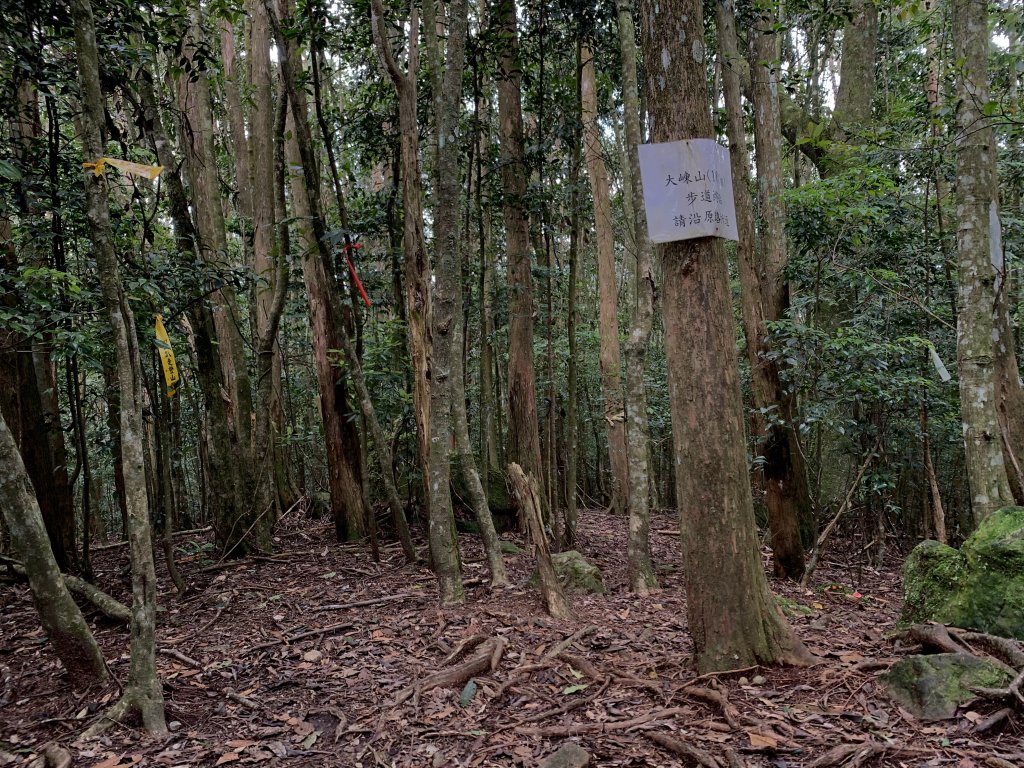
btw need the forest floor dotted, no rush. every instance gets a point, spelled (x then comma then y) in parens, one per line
(301, 658)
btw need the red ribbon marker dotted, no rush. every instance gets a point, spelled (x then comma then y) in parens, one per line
(352, 271)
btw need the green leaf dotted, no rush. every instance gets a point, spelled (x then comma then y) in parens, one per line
(9, 171)
(571, 689)
(468, 693)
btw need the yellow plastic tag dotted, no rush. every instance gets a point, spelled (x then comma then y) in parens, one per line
(136, 169)
(163, 346)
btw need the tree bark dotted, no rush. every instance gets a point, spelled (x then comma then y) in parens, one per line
(524, 435)
(527, 495)
(642, 578)
(788, 499)
(416, 261)
(304, 144)
(61, 619)
(344, 462)
(142, 693)
(732, 615)
(980, 260)
(608, 291)
(448, 393)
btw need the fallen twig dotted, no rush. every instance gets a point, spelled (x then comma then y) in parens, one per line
(175, 654)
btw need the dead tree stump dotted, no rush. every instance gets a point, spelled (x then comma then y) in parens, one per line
(527, 498)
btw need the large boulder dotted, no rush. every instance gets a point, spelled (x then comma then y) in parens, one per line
(979, 587)
(574, 572)
(932, 687)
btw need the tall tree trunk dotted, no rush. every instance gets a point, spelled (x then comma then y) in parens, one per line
(571, 426)
(344, 457)
(61, 619)
(196, 137)
(142, 692)
(607, 289)
(732, 616)
(448, 394)
(266, 259)
(417, 264)
(638, 549)
(980, 260)
(788, 498)
(228, 483)
(524, 435)
(489, 394)
(289, 67)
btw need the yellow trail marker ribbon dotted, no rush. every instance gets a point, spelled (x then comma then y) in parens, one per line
(137, 169)
(163, 346)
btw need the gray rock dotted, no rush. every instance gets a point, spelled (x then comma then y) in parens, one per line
(568, 756)
(932, 687)
(575, 572)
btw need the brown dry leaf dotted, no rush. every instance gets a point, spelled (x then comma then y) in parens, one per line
(239, 744)
(110, 761)
(762, 740)
(851, 658)
(227, 757)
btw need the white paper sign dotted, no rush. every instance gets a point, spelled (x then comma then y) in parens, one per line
(687, 190)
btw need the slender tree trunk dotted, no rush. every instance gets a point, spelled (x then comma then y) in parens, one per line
(489, 395)
(303, 140)
(448, 395)
(732, 616)
(980, 260)
(572, 364)
(61, 619)
(196, 137)
(266, 258)
(638, 549)
(228, 484)
(608, 291)
(417, 263)
(524, 435)
(788, 499)
(344, 465)
(142, 693)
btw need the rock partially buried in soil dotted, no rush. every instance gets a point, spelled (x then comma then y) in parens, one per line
(980, 587)
(568, 756)
(932, 687)
(499, 500)
(575, 572)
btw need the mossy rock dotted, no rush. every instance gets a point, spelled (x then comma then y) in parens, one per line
(503, 509)
(574, 572)
(511, 548)
(932, 687)
(980, 587)
(932, 573)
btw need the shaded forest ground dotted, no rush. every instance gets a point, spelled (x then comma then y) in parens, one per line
(299, 659)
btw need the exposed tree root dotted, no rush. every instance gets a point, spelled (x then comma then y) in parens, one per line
(107, 605)
(687, 750)
(854, 755)
(486, 659)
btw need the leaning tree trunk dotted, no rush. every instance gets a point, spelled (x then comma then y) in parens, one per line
(642, 578)
(61, 619)
(787, 493)
(607, 288)
(732, 616)
(142, 692)
(977, 212)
